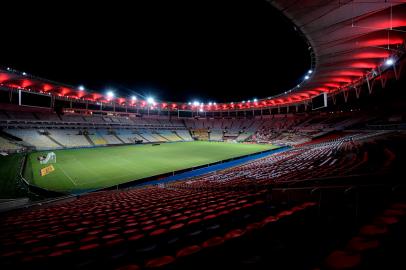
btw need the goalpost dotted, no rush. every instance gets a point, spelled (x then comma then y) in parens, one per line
(50, 158)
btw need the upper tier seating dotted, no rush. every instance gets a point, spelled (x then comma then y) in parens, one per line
(72, 118)
(48, 117)
(22, 115)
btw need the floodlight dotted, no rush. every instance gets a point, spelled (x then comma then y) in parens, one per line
(110, 94)
(150, 100)
(389, 62)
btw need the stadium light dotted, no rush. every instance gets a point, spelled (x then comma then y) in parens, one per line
(210, 103)
(24, 73)
(150, 100)
(110, 94)
(201, 110)
(243, 101)
(255, 100)
(81, 88)
(134, 98)
(306, 77)
(190, 103)
(196, 103)
(389, 62)
(310, 71)
(214, 103)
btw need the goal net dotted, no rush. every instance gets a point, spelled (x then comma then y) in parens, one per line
(49, 158)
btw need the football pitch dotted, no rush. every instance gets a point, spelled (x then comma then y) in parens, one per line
(93, 168)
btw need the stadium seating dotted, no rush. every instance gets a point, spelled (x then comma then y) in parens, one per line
(8, 146)
(69, 137)
(33, 138)
(184, 134)
(203, 220)
(169, 136)
(216, 135)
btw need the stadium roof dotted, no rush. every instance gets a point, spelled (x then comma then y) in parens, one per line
(350, 40)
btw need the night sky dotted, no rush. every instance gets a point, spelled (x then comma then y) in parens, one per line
(222, 50)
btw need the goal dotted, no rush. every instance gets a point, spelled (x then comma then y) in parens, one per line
(49, 158)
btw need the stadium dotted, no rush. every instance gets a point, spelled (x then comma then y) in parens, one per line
(307, 178)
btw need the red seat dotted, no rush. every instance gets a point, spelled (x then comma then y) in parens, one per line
(268, 220)
(129, 267)
(194, 221)
(254, 226)
(342, 260)
(394, 212)
(188, 251)
(234, 234)
(285, 213)
(361, 244)
(214, 241)
(136, 237)
(89, 247)
(160, 262)
(373, 230)
(386, 220)
(149, 227)
(177, 226)
(158, 232)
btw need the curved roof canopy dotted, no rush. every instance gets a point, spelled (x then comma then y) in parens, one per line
(348, 39)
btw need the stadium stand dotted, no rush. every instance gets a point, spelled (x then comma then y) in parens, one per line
(169, 135)
(185, 135)
(69, 137)
(8, 146)
(168, 224)
(33, 138)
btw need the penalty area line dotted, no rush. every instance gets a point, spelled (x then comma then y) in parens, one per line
(70, 178)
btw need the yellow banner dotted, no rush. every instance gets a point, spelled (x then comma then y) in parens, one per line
(47, 170)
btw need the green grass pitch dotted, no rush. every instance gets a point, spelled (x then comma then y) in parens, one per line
(91, 168)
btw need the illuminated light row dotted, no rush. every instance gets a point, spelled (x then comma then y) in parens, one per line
(335, 81)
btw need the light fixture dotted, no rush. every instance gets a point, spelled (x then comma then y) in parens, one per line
(150, 100)
(389, 62)
(110, 94)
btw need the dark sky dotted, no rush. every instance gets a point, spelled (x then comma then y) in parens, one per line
(222, 50)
